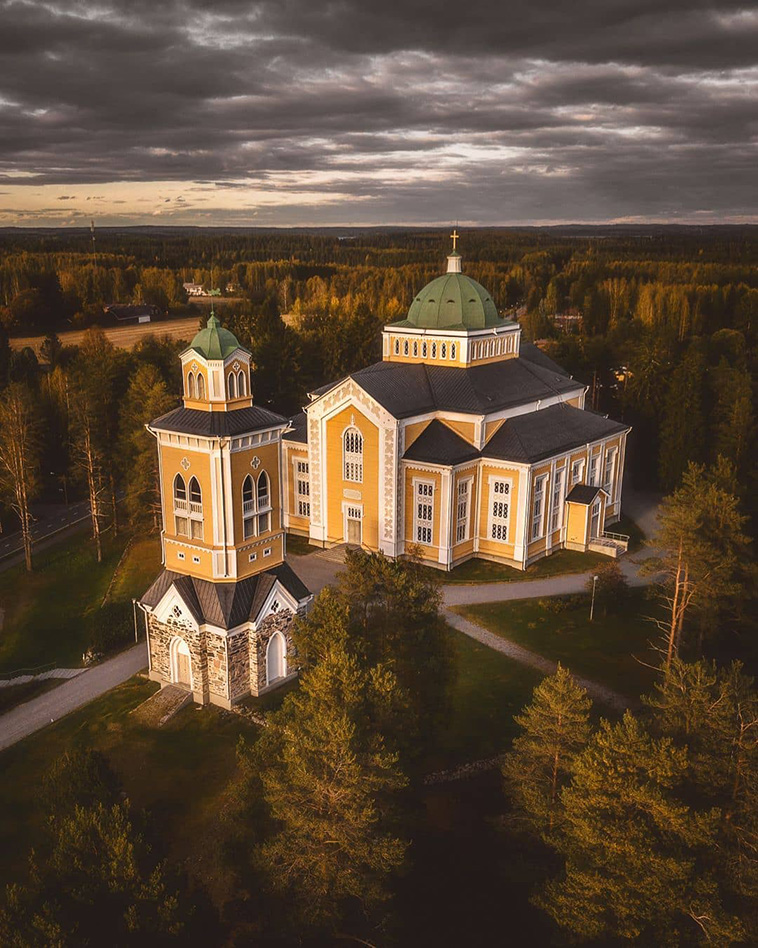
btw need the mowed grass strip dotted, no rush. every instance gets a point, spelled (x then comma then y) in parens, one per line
(48, 612)
(614, 649)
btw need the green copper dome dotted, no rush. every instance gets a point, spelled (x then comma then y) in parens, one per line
(214, 342)
(452, 301)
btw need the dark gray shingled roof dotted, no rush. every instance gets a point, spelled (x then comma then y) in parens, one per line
(438, 444)
(226, 605)
(218, 423)
(583, 494)
(407, 389)
(525, 439)
(541, 434)
(298, 430)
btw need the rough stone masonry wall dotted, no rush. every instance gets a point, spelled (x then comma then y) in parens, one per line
(161, 635)
(239, 664)
(215, 652)
(277, 622)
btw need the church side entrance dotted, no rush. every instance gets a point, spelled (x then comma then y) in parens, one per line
(181, 670)
(353, 524)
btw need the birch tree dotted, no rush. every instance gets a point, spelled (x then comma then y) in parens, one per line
(87, 458)
(19, 457)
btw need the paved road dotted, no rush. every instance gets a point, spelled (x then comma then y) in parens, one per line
(43, 710)
(51, 519)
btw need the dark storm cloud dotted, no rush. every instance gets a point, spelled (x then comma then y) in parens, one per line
(398, 111)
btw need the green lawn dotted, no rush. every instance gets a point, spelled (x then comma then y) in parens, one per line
(48, 612)
(606, 650)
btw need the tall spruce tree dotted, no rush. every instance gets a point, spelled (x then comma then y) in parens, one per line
(328, 779)
(554, 729)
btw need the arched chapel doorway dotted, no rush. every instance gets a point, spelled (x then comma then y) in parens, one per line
(181, 665)
(276, 658)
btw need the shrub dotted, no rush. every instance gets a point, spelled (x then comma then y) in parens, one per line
(112, 627)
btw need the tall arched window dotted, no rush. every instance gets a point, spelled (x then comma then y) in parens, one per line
(180, 491)
(191, 385)
(200, 385)
(181, 523)
(248, 508)
(352, 442)
(241, 383)
(264, 503)
(195, 509)
(232, 385)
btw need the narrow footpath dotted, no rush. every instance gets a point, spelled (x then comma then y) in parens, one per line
(74, 693)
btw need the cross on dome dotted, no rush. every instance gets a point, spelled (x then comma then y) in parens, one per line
(455, 235)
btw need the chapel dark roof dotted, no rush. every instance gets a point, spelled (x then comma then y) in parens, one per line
(298, 430)
(218, 423)
(583, 494)
(226, 605)
(542, 434)
(439, 444)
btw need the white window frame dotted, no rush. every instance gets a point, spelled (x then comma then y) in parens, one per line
(302, 478)
(351, 511)
(499, 498)
(594, 475)
(577, 465)
(463, 523)
(352, 460)
(609, 478)
(423, 498)
(558, 494)
(537, 521)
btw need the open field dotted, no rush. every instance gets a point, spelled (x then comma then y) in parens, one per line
(122, 337)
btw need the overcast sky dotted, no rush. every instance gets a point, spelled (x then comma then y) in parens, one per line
(305, 112)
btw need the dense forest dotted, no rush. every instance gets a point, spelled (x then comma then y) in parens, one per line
(660, 323)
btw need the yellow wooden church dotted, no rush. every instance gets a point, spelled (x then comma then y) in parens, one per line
(462, 442)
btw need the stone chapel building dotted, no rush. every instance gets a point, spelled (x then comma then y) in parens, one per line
(218, 616)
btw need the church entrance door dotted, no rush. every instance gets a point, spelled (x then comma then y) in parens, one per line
(181, 668)
(353, 531)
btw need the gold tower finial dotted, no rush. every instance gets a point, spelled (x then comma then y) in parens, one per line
(454, 236)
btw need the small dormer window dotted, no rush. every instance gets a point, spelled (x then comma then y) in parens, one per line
(444, 350)
(405, 347)
(415, 347)
(424, 350)
(452, 351)
(397, 346)
(434, 350)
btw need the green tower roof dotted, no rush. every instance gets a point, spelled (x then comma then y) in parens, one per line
(214, 342)
(453, 301)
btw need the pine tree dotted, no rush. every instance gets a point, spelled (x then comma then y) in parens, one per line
(327, 778)
(554, 729)
(636, 858)
(682, 437)
(701, 547)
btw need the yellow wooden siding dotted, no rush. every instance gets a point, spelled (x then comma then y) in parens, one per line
(576, 523)
(199, 467)
(487, 545)
(413, 431)
(336, 483)
(428, 551)
(464, 428)
(294, 451)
